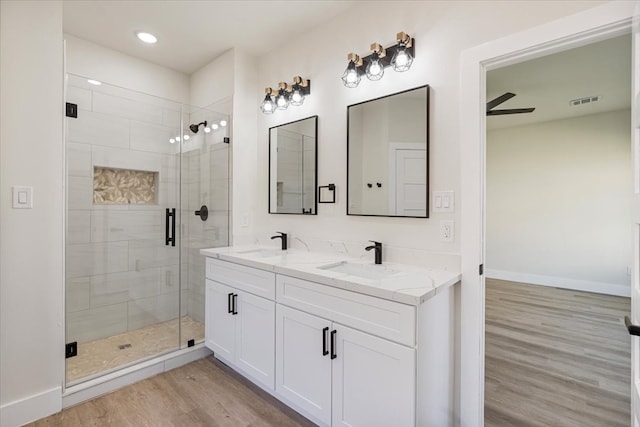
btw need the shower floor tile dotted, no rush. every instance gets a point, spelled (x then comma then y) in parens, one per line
(105, 355)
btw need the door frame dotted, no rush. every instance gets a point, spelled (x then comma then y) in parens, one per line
(599, 23)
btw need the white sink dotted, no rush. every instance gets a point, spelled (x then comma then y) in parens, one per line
(366, 271)
(263, 253)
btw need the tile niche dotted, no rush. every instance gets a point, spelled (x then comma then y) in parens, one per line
(124, 186)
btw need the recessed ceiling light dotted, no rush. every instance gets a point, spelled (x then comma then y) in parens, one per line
(94, 82)
(146, 37)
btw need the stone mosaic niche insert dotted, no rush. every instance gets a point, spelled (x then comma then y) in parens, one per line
(124, 186)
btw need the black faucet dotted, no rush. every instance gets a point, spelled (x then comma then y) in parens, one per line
(282, 236)
(378, 247)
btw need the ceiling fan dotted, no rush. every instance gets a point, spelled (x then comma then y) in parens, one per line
(499, 100)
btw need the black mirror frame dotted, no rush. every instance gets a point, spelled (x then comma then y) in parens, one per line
(426, 154)
(315, 175)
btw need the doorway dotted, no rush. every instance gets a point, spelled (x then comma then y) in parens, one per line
(600, 23)
(558, 247)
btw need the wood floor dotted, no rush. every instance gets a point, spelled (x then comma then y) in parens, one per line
(555, 357)
(202, 393)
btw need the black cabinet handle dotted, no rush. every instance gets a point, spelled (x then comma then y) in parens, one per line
(235, 304)
(633, 329)
(229, 302)
(203, 213)
(333, 344)
(170, 216)
(324, 341)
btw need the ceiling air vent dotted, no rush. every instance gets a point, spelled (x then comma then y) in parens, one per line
(585, 100)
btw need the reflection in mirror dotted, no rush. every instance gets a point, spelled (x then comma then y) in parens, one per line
(387, 155)
(292, 167)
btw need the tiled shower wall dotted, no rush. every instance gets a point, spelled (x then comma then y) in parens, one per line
(120, 275)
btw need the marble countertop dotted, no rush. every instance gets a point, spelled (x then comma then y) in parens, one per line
(392, 281)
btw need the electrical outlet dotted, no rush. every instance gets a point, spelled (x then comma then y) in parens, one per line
(446, 231)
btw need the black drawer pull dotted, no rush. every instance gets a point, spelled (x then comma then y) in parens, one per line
(235, 304)
(333, 344)
(325, 351)
(229, 302)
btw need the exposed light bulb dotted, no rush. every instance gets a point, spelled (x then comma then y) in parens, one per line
(146, 37)
(351, 78)
(178, 138)
(207, 129)
(296, 97)
(282, 100)
(402, 60)
(223, 123)
(214, 126)
(94, 82)
(172, 140)
(268, 106)
(375, 70)
(186, 137)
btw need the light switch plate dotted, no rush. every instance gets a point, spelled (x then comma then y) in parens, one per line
(22, 197)
(443, 201)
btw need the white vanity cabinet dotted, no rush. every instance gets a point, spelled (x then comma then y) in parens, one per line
(337, 374)
(239, 325)
(338, 356)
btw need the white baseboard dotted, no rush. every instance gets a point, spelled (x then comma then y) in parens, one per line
(561, 282)
(32, 408)
(124, 377)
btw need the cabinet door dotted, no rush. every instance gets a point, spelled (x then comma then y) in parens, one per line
(219, 323)
(255, 338)
(303, 372)
(373, 381)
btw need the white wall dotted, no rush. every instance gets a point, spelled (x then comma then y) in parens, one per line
(31, 243)
(442, 30)
(93, 61)
(558, 202)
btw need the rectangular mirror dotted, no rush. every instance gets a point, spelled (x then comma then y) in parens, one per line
(388, 155)
(293, 167)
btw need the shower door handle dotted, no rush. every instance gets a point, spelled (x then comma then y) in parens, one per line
(203, 213)
(170, 216)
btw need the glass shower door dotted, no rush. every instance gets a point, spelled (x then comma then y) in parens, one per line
(123, 284)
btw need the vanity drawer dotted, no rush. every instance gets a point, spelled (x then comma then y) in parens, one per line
(252, 280)
(384, 318)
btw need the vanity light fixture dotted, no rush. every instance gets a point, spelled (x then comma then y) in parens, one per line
(373, 65)
(282, 99)
(287, 94)
(375, 69)
(300, 90)
(352, 75)
(403, 57)
(268, 106)
(223, 123)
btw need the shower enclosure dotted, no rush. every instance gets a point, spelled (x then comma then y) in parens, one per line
(145, 192)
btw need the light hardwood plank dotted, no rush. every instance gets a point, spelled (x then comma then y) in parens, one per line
(202, 393)
(555, 357)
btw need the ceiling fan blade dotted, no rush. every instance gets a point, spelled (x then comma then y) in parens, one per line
(511, 111)
(499, 100)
